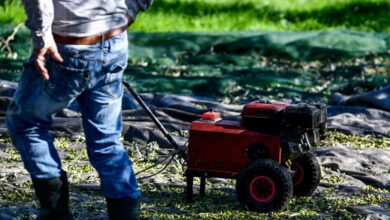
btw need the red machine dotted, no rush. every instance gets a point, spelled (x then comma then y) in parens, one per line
(267, 151)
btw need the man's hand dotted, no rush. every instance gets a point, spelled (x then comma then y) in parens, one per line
(40, 59)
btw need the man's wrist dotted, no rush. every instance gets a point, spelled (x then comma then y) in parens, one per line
(42, 39)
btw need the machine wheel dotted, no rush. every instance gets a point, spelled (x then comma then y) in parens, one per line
(263, 186)
(308, 174)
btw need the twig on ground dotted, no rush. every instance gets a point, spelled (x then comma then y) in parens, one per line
(5, 42)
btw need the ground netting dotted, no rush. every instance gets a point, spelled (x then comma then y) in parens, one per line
(182, 75)
(236, 67)
(358, 177)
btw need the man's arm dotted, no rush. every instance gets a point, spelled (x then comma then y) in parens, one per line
(40, 14)
(135, 6)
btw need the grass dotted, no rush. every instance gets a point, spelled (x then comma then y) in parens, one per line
(233, 15)
(11, 12)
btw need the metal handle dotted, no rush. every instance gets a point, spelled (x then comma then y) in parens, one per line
(154, 118)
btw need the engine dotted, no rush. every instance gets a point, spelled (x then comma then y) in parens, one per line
(301, 126)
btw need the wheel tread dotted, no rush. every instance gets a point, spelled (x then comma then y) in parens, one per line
(312, 167)
(266, 166)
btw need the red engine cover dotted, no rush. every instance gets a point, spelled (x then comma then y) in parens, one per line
(263, 109)
(263, 116)
(219, 148)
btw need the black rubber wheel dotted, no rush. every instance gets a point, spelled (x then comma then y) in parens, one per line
(308, 174)
(263, 186)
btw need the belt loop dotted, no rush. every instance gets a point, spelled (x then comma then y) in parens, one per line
(102, 40)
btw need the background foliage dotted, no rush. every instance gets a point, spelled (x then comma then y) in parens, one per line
(228, 15)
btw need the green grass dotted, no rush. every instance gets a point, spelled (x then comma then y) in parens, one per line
(11, 12)
(230, 15)
(287, 15)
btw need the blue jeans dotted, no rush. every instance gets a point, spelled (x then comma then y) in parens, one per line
(92, 75)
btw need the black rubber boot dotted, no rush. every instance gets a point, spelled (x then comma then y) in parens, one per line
(123, 209)
(53, 196)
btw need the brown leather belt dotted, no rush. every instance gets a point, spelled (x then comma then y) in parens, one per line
(89, 39)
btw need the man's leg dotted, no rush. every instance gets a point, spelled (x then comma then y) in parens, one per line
(101, 108)
(28, 117)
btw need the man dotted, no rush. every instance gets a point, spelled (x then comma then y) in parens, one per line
(80, 53)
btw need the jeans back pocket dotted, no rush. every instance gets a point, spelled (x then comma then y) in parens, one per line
(65, 83)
